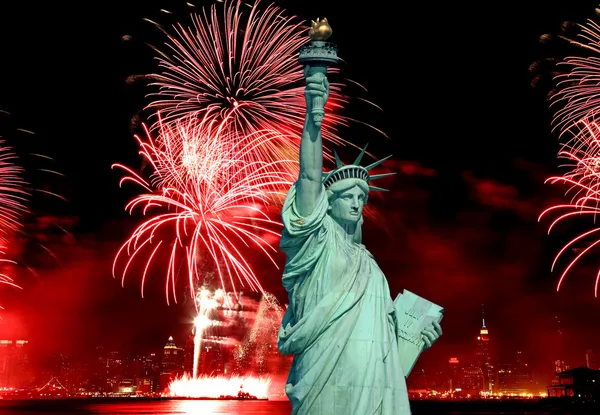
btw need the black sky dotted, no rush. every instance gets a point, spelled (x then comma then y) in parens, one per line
(454, 85)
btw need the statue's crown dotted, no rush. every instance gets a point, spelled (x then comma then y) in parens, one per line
(354, 171)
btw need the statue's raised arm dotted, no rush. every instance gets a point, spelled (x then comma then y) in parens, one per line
(309, 185)
(316, 56)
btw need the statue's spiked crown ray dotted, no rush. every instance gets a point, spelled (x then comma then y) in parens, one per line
(354, 171)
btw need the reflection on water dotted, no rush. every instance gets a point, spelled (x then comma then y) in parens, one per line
(198, 407)
(144, 407)
(189, 407)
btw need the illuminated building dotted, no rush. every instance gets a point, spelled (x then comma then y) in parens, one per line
(560, 366)
(96, 377)
(172, 356)
(171, 365)
(127, 386)
(483, 356)
(422, 380)
(113, 370)
(62, 366)
(580, 383)
(559, 362)
(165, 380)
(515, 377)
(14, 363)
(454, 374)
(472, 378)
(151, 370)
(143, 385)
(146, 372)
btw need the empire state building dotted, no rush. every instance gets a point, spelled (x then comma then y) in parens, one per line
(483, 356)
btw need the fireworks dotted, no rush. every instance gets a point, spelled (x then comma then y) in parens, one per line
(578, 102)
(256, 354)
(206, 302)
(220, 386)
(13, 198)
(5, 279)
(206, 200)
(579, 88)
(230, 109)
(262, 335)
(222, 148)
(578, 99)
(241, 64)
(583, 183)
(582, 155)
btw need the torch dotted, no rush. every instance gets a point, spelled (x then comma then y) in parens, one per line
(317, 55)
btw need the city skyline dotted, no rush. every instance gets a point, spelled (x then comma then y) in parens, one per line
(485, 364)
(479, 369)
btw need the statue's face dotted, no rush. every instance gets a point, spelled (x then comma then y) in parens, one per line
(347, 207)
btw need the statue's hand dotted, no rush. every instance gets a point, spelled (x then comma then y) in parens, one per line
(317, 85)
(430, 335)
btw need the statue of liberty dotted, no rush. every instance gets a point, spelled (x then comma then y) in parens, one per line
(340, 323)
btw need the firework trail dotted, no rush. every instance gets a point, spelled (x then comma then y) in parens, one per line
(13, 193)
(241, 64)
(206, 301)
(262, 337)
(33, 194)
(578, 89)
(582, 155)
(5, 279)
(13, 199)
(205, 200)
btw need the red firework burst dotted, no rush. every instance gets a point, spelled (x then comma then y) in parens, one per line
(582, 154)
(578, 89)
(241, 64)
(208, 199)
(13, 196)
(13, 199)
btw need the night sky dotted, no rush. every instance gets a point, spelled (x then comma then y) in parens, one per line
(471, 139)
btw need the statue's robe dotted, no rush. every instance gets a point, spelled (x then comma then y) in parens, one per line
(339, 324)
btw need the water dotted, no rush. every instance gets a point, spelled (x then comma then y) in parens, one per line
(150, 407)
(191, 407)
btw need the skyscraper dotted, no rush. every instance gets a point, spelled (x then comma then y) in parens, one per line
(559, 348)
(151, 370)
(515, 376)
(172, 356)
(454, 375)
(188, 353)
(483, 355)
(171, 365)
(14, 367)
